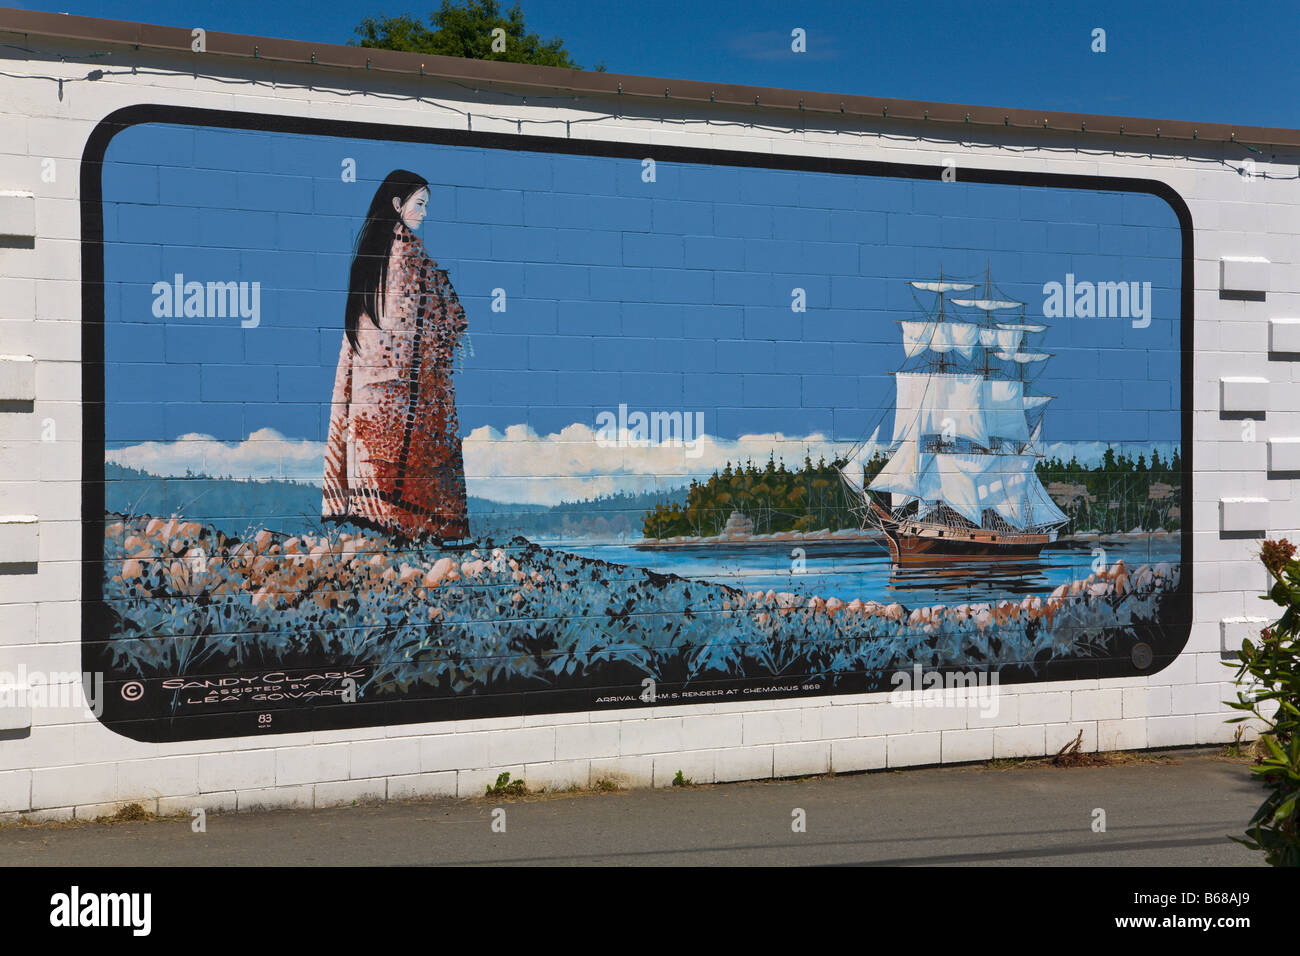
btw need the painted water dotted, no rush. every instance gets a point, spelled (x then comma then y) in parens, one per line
(864, 570)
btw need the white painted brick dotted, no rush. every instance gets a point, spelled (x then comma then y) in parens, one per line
(885, 719)
(1284, 454)
(1147, 701)
(940, 717)
(1284, 335)
(15, 790)
(1214, 729)
(71, 786)
(861, 753)
(1044, 708)
(958, 746)
(1127, 734)
(913, 750)
(454, 752)
(20, 539)
(805, 759)
(1243, 394)
(1171, 731)
(382, 758)
(714, 731)
(416, 786)
(1197, 699)
(17, 214)
(585, 741)
(342, 792)
(1059, 735)
(1244, 274)
(160, 777)
(300, 797)
(655, 735)
(1096, 704)
(558, 775)
(779, 726)
(625, 771)
(300, 765)
(225, 801)
(1019, 742)
(17, 380)
(826, 723)
(237, 770)
(1243, 514)
(743, 763)
(697, 766)
(17, 624)
(474, 783)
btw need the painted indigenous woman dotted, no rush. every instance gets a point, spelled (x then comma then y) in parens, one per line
(393, 461)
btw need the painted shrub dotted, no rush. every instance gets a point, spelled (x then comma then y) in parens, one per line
(685, 410)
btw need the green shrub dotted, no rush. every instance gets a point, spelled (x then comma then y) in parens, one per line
(1273, 697)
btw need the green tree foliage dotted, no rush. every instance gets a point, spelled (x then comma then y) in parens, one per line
(464, 28)
(1273, 697)
(1120, 494)
(773, 497)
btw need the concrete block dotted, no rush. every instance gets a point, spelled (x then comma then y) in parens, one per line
(1243, 274)
(859, 753)
(17, 378)
(1243, 514)
(1243, 393)
(1284, 454)
(1019, 742)
(1284, 335)
(17, 214)
(1234, 630)
(20, 539)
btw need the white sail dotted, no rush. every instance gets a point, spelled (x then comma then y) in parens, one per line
(1022, 328)
(1036, 401)
(1004, 409)
(852, 470)
(902, 473)
(939, 404)
(1005, 340)
(988, 305)
(937, 286)
(940, 337)
(953, 480)
(1023, 357)
(1043, 510)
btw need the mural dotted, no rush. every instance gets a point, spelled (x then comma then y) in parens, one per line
(405, 425)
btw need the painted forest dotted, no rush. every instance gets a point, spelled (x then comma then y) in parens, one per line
(1121, 493)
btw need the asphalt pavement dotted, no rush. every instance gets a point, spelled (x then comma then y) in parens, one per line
(1175, 813)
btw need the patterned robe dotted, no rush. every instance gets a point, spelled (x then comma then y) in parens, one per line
(393, 460)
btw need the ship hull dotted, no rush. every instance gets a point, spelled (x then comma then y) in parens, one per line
(923, 543)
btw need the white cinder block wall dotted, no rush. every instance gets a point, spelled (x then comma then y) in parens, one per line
(1247, 234)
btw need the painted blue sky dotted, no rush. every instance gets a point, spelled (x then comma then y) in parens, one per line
(1196, 60)
(671, 295)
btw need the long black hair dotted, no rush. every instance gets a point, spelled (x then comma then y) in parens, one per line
(369, 272)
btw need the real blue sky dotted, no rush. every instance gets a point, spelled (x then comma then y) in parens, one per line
(1203, 60)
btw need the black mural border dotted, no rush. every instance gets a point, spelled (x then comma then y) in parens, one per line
(309, 719)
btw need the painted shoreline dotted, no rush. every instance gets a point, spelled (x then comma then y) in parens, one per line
(826, 536)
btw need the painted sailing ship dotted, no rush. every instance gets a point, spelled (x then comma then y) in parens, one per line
(960, 484)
